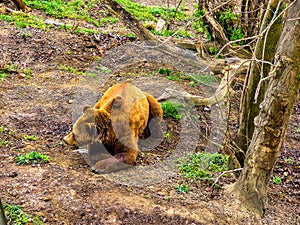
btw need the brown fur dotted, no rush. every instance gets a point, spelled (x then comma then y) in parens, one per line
(114, 126)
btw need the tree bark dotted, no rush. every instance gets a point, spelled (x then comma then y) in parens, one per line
(264, 50)
(271, 123)
(20, 5)
(2, 215)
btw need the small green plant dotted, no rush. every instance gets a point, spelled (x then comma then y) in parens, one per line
(2, 129)
(104, 69)
(171, 109)
(26, 34)
(229, 21)
(14, 67)
(111, 20)
(28, 73)
(298, 129)
(192, 83)
(71, 69)
(165, 71)
(32, 158)
(183, 188)
(213, 51)
(199, 166)
(170, 75)
(69, 52)
(2, 76)
(29, 137)
(168, 198)
(168, 136)
(17, 216)
(199, 25)
(277, 180)
(92, 75)
(289, 160)
(130, 35)
(174, 77)
(4, 143)
(237, 34)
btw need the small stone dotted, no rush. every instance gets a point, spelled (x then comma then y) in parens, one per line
(71, 101)
(206, 109)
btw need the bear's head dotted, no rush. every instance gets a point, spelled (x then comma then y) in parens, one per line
(94, 125)
(91, 126)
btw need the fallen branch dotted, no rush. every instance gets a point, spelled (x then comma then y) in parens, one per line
(131, 22)
(4, 10)
(219, 94)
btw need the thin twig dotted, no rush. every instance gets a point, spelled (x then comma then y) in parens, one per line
(223, 173)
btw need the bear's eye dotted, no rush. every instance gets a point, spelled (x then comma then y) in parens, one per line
(91, 129)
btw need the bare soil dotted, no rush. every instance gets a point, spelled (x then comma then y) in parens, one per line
(65, 191)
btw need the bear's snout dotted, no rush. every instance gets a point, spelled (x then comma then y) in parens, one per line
(70, 140)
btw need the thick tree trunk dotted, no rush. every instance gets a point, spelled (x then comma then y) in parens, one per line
(2, 216)
(271, 123)
(264, 50)
(20, 5)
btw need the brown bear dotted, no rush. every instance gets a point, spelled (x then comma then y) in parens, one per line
(110, 131)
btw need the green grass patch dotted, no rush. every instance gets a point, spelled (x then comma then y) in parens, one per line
(22, 21)
(32, 158)
(14, 68)
(61, 8)
(17, 216)
(73, 9)
(172, 109)
(183, 188)
(70, 69)
(144, 13)
(199, 166)
(29, 137)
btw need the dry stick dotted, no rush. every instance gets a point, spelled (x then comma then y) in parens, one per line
(263, 54)
(297, 18)
(177, 7)
(14, 11)
(225, 172)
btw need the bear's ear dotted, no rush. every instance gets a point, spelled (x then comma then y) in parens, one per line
(118, 101)
(102, 118)
(85, 108)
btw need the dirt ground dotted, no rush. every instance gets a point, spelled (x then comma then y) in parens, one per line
(65, 191)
